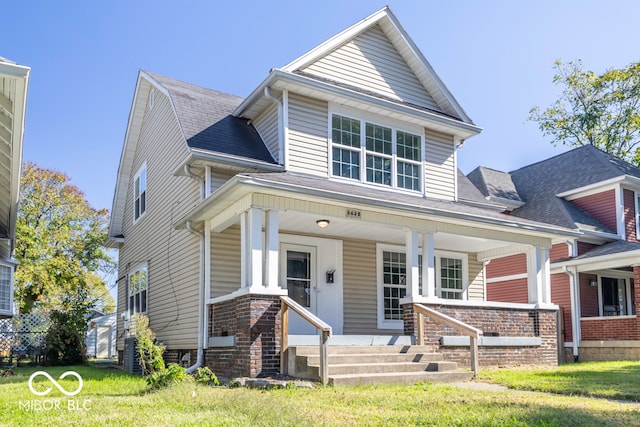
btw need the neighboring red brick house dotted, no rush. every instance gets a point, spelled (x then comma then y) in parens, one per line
(595, 278)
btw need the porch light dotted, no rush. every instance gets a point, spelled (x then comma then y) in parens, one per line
(593, 283)
(322, 223)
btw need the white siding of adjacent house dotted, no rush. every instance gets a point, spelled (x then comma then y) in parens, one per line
(307, 141)
(267, 126)
(440, 166)
(172, 256)
(372, 63)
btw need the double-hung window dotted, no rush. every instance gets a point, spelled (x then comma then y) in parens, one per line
(138, 286)
(373, 153)
(140, 193)
(450, 283)
(6, 297)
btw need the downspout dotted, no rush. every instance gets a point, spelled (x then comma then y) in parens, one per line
(201, 292)
(575, 311)
(281, 145)
(201, 308)
(190, 174)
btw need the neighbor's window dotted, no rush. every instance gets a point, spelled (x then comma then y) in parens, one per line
(138, 285)
(140, 193)
(391, 157)
(5, 287)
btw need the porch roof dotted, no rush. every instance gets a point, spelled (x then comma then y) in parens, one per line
(325, 188)
(620, 253)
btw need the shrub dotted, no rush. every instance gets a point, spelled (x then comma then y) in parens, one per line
(205, 376)
(173, 374)
(149, 352)
(65, 339)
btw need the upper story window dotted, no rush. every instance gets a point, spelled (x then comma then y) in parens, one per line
(373, 153)
(140, 193)
(138, 284)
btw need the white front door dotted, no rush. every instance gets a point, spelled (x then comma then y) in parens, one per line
(310, 270)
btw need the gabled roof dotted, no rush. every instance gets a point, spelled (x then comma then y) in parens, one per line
(445, 116)
(14, 82)
(469, 193)
(207, 126)
(404, 45)
(539, 185)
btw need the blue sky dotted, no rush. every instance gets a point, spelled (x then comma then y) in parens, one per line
(494, 56)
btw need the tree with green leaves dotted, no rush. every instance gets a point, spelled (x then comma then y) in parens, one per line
(598, 109)
(60, 249)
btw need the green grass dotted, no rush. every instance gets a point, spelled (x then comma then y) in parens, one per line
(609, 380)
(117, 399)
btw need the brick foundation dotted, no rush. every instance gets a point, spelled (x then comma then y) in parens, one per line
(609, 328)
(255, 322)
(506, 322)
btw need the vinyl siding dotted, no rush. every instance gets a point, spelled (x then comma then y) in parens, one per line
(630, 215)
(218, 179)
(558, 251)
(225, 262)
(583, 247)
(508, 291)
(308, 135)
(507, 266)
(440, 166)
(372, 63)
(588, 297)
(601, 206)
(267, 126)
(476, 279)
(172, 256)
(561, 295)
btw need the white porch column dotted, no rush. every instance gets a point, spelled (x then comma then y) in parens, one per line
(207, 283)
(428, 267)
(271, 249)
(413, 283)
(251, 247)
(539, 275)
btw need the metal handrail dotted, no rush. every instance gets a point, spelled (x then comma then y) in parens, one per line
(315, 321)
(473, 333)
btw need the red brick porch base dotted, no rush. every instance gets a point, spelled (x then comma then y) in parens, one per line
(255, 322)
(493, 321)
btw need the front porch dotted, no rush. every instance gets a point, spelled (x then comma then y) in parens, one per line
(358, 264)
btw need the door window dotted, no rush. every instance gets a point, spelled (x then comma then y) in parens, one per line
(299, 277)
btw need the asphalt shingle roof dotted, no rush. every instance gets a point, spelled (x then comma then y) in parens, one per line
(493, 183)
(539, 183)
(207, 123)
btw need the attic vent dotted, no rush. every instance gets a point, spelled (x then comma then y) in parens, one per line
(152, 98)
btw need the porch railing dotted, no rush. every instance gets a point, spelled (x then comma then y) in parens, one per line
(315, 321)
(468, 330)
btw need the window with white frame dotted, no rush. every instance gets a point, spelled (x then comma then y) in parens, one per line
(451, 276)
(140, 193)
(391, 157)
(138, 286)
(5, 287)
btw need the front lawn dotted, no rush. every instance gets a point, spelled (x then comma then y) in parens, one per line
(609, 380)
(112, 398)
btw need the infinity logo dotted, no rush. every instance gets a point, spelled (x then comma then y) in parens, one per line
(55, 383)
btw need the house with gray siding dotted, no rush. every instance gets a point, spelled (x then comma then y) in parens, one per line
(14, 82)
(331, 189)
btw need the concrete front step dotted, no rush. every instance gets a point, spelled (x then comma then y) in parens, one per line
(377, 368)
(352, 365)
(399, 378)
(309, 350)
